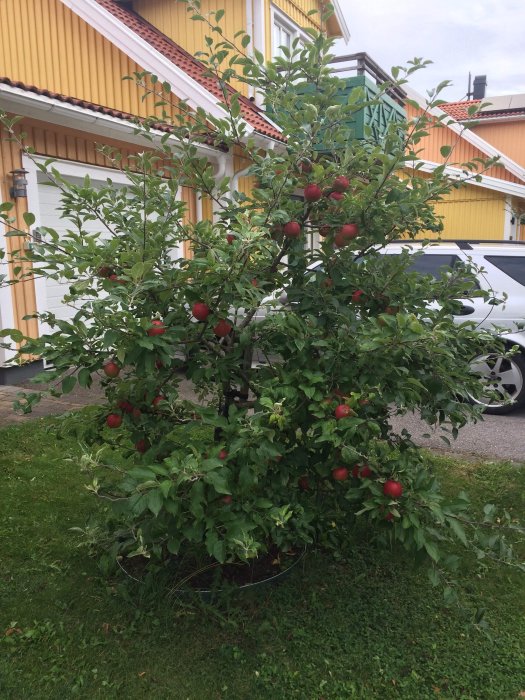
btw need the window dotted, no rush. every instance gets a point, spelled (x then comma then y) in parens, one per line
(284, 31)
(282, 37)
(433, 264)
(513, 266)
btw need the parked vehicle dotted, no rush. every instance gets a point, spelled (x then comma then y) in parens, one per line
(501, 273)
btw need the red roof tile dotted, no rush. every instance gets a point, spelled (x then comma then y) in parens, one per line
(189, 64)
(458, 111)
(70, 100)
(93, 107)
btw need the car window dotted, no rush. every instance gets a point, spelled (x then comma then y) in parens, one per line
(513, 266)
(433, 264)
(436, 264)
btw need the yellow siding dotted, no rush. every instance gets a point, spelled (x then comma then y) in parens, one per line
(463, 151)
(45, 44)
(297, 11)
(173, 19)
(473, 212)
(22, 294)
(507, 136)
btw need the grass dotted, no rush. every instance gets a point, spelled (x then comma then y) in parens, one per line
(369, 627)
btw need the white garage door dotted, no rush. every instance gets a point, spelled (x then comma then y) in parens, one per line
(49, 199)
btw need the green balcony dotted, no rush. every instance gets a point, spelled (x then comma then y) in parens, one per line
(360, 71)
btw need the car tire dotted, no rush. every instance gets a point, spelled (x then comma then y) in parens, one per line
(506, 377)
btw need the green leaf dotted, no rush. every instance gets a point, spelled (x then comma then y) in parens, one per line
(84, 378)
(29, 218)
(68, 384)
(445, 151)
(432, 551)
(155, 501)
(458, 530)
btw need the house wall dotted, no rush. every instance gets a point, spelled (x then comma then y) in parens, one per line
(507, 136)
(174, 20)
(47, 45)
(472, 212)
(297, 11)
(62, 143)
(463, 151)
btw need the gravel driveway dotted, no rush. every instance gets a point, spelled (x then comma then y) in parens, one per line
(495, 437)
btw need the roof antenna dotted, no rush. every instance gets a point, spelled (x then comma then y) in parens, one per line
(470, 94)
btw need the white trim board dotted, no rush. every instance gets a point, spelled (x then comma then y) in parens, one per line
(341, 19)
(465, 133)
(52, 111)
(487, 181)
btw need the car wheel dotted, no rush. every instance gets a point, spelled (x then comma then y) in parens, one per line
(504, 378)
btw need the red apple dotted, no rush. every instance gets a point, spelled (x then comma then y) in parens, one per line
(341, 183)
(357, 296)
(230, 238)
(222, 329)
(349, 230)
(200, 310)
(125, 406)
(141, 445)
(328, 282)
(342, 411)
(105, 271)
(114, 420)
(116, 279)
(337, 196)
(389, 517)
(303, 483)
(355, 471)
(312, 193)
(227, 499)
(340, 240)
(340, 474)
(111, 369)
(324, 230)
(223, 454)
(157, 327)
(292, 229)
(254, 282)
(366, 472)
(136, 413)
(305, 166)
(393, 489)
(159, 364)
(157, 400)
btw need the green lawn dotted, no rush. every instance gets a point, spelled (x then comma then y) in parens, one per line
(369, 627)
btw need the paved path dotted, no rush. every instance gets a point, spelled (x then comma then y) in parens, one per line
(496, 437)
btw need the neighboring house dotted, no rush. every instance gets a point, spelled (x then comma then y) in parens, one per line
(61, 68)
(494, 208)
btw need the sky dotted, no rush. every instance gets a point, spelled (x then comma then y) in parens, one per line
(485, 37)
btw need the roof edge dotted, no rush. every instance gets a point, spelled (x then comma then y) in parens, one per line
(510, 165)
(341, 20)
(144, 54)
(487, 181)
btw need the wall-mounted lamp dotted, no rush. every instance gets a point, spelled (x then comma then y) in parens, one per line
(19, 188)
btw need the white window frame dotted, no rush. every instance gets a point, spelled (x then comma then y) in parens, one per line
(280, 21)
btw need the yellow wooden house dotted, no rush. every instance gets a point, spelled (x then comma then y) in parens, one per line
(61, 69)
(494, 207)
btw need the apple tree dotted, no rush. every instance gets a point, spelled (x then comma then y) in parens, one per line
(298, 338)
